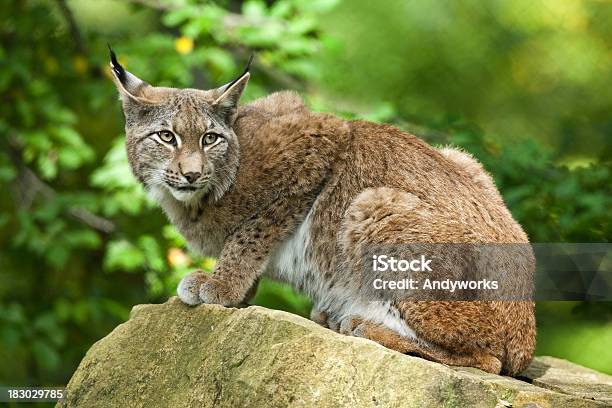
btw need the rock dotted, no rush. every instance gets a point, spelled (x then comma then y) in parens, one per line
(172, 355)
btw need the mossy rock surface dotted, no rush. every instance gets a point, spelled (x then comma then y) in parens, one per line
(172, 355)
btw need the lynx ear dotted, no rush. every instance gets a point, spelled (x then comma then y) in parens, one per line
(130, 87)
(228, 95)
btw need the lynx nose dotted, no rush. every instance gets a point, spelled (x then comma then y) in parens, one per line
(191, 176)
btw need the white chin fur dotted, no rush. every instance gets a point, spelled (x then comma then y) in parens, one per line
(186, 196)
(160, 194)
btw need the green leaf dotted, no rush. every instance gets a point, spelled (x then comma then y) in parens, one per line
(173, 236)
(177, 16)
(152, 253)
(254, 8)
(46, 356)
(122, 255)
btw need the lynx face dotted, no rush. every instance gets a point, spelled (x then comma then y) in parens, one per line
(180, 141)
(182, 145)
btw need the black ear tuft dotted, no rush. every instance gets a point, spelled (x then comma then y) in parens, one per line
(248, 67)
(246, 70)
(117, 68)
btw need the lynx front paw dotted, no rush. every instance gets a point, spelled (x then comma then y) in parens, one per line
(189, 288)
(199, 287)
(217, 292)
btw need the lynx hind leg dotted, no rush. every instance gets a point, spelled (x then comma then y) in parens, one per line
(457, 333)
(320, 317)
(459, 328)
(359, 327)
(370, 212)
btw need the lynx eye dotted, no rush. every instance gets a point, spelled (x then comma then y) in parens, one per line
(209, 138)
(167, 137)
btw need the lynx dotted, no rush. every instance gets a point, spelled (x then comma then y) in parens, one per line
(273, 189)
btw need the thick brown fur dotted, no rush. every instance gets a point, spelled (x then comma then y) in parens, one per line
(293, 194)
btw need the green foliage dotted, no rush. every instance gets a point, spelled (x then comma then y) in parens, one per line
(81, 242)
(552, 202)
(124, 193)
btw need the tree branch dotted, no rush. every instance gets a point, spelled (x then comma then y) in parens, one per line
(79, 43)
(31, 185)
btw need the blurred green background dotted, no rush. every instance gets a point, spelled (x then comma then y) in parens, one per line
(524, 85)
